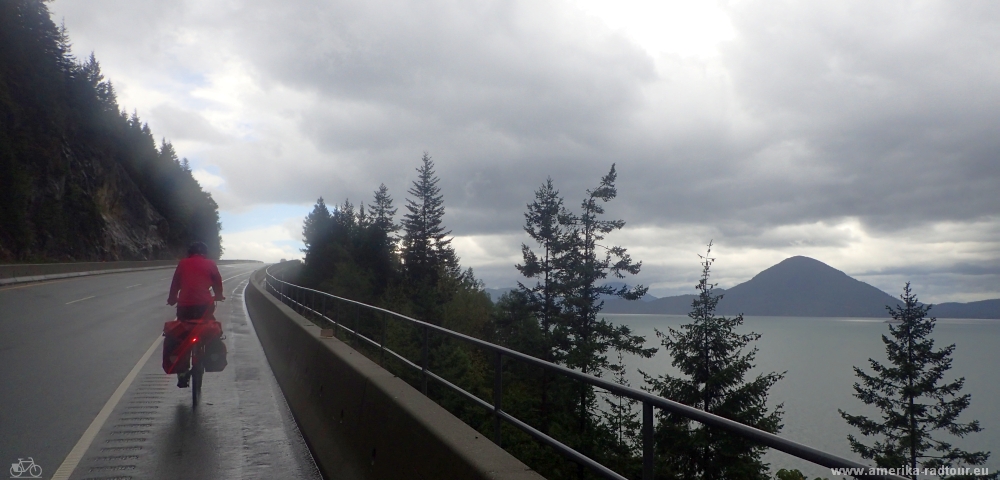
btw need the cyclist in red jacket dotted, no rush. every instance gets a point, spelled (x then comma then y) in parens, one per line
(190, 290)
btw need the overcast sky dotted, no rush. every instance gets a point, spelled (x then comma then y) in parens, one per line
(863, 134)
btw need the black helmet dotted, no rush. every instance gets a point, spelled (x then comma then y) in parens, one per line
(197, 248)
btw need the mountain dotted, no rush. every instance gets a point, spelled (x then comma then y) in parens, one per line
(803, 287)
(81, 179)
(980, 309)
(496, 293)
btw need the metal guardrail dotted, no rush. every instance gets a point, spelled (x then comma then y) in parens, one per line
(299, 296)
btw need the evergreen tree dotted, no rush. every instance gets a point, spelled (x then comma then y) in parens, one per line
(344, 217)
(428, 257)
(913, 397)
(543, 222)
(622, 452)
(382, 214)
(583, 267)
(586, 262)
(712, 357)
(316, 227)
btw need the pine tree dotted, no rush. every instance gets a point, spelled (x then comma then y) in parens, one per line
(544, 224)
(316, 227)
(345, 218)
(621, 420)
(712, 357)
(382, 213)
(428, 257)
(913, 397)
(584, 264)
(586, 338)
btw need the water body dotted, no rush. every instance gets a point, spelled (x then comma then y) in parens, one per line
(818, 355)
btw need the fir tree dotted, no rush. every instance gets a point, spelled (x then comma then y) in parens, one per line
(582, 269)
(344, 217)
(621, 420)
(713, 358)
(382, 213)
(428, 256)
(586, 262)
(316, 226)
(915, 400)
(544, 224)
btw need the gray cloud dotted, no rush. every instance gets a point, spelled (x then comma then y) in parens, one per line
(811, 116)
(875, 122)
(180, 124)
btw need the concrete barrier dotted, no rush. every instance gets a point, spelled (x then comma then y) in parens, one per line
(359, 420)
(34, 272)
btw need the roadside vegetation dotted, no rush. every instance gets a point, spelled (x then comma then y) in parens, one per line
(360, 252)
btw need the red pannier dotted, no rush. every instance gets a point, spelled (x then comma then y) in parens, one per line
(215, 356)
(180, 336)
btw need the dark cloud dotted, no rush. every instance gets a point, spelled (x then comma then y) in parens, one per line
(890, 121)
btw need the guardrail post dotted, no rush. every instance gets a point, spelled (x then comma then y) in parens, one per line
(423, 363)
(497, 392)
(647, 441)
(323, 308)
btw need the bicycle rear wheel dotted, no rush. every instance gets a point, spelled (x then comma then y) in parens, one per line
(197, 371)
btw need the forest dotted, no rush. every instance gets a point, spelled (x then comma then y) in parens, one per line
(82, 179)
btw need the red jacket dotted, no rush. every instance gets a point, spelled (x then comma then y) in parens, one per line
(193, 277)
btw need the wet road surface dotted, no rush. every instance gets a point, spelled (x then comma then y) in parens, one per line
(67, 346)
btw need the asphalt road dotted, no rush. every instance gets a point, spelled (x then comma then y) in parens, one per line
(67, 345)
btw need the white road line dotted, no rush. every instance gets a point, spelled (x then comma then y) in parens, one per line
(75, 455)
(82, 299)
(73, 459)
(234, 276)
(131, 286)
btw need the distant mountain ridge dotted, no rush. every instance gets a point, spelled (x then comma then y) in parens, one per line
(802, 287)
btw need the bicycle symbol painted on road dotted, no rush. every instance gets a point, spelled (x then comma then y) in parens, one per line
(22, 467)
